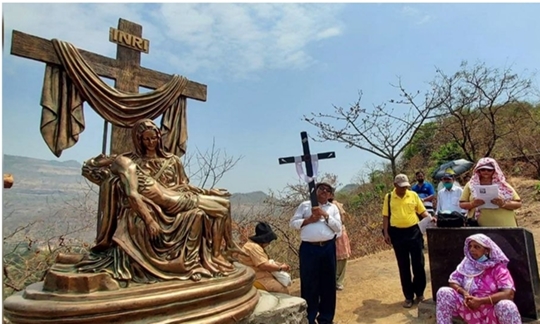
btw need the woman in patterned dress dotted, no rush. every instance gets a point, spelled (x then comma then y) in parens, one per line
(343, 245)
(481, 288)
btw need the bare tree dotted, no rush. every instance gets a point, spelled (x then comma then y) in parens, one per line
(207, 168)
(277, 210)
(471, 102)
(380, 131)
(30, 249)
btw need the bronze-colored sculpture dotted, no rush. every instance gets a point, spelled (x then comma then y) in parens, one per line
(162, 253)
(163, 247)
(155, 225)
(8, 180)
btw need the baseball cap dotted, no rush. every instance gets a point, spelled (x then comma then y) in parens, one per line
(402, 180)
(324, 184)
(447, 176)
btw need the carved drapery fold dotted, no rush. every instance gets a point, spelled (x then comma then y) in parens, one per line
(174, 127)
(62, 118)
(65, 88)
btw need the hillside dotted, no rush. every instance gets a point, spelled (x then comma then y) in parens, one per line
(351, 187)
(46, 192)
(251, 198)
(59, 199)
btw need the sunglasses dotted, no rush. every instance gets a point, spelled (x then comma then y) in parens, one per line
(485, 170)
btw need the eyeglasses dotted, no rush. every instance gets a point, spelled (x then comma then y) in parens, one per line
(324, 189)
(486, 170)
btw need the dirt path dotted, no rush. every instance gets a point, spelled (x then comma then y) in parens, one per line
(372, 291)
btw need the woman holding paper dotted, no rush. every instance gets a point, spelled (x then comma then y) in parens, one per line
(489, 198)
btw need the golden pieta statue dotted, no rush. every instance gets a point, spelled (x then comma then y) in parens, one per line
(155, 225)
(162, 252)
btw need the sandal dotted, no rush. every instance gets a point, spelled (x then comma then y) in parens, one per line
(407, 303)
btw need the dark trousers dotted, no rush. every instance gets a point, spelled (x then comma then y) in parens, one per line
(318, 280)
(407, 244)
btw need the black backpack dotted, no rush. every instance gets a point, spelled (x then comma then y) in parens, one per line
(453, 219)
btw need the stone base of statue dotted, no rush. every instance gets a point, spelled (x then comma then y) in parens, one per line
(96, 298)
(274, 308)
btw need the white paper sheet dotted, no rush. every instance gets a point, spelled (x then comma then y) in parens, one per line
(487, 193)
(426, 223)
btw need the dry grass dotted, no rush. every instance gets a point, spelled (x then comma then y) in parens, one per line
(372, 290)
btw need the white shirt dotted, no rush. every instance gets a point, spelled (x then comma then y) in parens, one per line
(449, 199)
(318, 231)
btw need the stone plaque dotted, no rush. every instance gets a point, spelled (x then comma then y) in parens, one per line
(445, 247)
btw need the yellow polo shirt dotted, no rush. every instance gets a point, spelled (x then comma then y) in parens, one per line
(404, 209)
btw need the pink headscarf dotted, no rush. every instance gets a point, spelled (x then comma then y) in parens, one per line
(498, 177)
(469, 267)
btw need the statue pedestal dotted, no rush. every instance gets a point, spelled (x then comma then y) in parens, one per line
(218, 300)
(274, 308)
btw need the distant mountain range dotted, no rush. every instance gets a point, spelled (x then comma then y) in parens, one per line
(55, 193)
(56, 196)
(349, 188)
(250, 198)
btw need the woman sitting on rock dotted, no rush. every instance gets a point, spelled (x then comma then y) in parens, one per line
(259, 260)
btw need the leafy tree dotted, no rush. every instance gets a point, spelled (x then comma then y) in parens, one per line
(447, 152)
(423, 142)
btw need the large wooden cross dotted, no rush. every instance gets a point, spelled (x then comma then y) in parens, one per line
(126, 70)
(307, 158)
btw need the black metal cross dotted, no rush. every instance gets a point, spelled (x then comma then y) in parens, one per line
(307, 159)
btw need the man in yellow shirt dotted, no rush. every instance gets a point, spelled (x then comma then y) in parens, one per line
(400, 228)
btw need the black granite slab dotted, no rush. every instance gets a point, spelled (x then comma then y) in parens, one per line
(445, 248)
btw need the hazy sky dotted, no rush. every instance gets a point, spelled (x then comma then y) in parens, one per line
(267, 65)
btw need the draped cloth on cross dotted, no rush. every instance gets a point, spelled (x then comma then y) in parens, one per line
(66, 87)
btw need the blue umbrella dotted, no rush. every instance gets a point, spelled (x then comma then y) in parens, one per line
(456, 167)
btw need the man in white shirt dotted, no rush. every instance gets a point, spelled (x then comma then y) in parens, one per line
(318, 228)
(448, 197)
